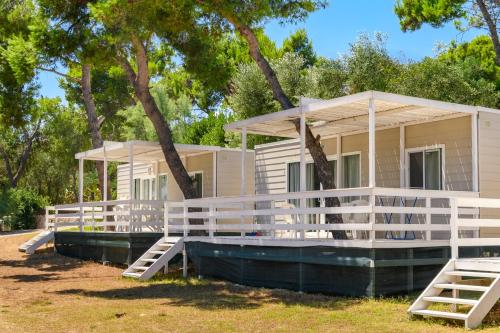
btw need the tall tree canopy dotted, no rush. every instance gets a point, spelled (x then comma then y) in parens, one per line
(477, 13)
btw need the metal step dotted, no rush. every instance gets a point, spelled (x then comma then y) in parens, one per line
(440, 314)
(129, 274)
(157, 252)
(450, 300)
(460, 287)
(140, 268)
(148, 260)
(473, 274)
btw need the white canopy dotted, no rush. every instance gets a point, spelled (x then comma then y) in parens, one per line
(349, 114)
(142, 151)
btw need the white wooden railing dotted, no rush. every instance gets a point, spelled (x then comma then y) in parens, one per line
(370, 215)
(115, 215)
(462, 222)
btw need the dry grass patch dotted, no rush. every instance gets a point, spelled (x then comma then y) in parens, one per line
(48, 292)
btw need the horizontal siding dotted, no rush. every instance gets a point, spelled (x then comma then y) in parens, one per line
(489, 165)
(455, 134)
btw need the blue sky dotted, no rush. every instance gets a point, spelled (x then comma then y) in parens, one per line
(334, 28)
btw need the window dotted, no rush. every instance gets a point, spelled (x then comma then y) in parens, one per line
(162, 182)
(351, 170)
(197, 179)
(146, 189)
(137, 189)
(312, 183)
(425, 169)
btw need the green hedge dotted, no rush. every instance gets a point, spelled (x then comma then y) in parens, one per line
(19, 207)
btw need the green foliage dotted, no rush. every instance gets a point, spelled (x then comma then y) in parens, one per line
(178, 113)
(413, 13)
(479, 50)
(207, 130)
(300, 44)
(20, 206)
(434, 79)
(368, 64)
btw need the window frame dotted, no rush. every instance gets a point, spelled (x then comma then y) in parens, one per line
(193, 173)
(439, 147)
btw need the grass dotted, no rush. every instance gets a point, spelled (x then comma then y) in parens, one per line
(48, 292)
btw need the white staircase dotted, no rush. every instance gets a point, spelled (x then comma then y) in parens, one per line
(34, 243)
(478, 278)
(155, 258)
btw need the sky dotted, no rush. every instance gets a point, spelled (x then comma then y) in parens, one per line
(334, 28)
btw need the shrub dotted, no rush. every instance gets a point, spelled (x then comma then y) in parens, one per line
(21, 207)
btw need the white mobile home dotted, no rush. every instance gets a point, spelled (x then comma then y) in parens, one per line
(417, 181)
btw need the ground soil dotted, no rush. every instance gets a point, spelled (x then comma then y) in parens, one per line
(47, 292)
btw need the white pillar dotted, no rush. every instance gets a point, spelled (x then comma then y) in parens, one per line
(475, 158)
(131, 171)
(105, 181)
(402, 157)
(371, 143)
(214, 174)
(80, 180)
(243, 160)
(303, 186)
(339, 162)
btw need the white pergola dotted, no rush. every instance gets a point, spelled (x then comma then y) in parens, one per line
(358, 113)
(137, 151)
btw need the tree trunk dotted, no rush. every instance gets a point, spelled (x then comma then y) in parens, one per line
(325, 174)
(12, 176)
(491, 28)
(140, 83)
(93, 122)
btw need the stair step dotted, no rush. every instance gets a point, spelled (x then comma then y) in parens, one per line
(130, 274)
(440, 314)
(165, 245)
(140, 268)
(157, 252)
(460, 287)
(473, 274)
(148, 260)
(450, 300)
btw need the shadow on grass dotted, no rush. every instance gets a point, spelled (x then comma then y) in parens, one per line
(211, 294)
(33, 277)
(44, 260)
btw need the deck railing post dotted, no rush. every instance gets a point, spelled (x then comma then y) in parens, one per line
(81, 217)
(165, 219)
(211, 224)
(56, 219)
(428, 219)
(185, 220)
(371, 233)
(454, 228)
(46, 227)
(273, 220)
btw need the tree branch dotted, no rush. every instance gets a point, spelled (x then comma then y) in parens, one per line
(51, 70)
(491, 28)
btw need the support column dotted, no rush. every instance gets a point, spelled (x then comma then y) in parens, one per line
(80, 191)
(371, 143)
(243, 160)
(80, 180)
(475, 150)
(131, 171)
(105, 180)
(402, 157)
(214, 174)
(339, 162)
(243, 189)
(303, 186)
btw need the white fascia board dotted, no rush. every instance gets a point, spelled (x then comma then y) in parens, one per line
(430, 103)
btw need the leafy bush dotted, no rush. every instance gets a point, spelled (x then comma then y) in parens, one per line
(19, 208)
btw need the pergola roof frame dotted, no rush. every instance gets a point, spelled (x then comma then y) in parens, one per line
(311, 108)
